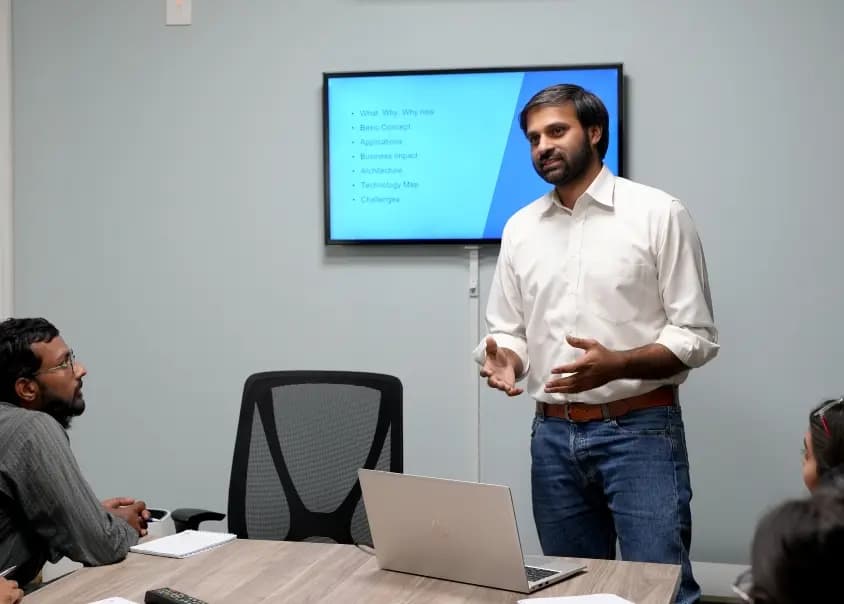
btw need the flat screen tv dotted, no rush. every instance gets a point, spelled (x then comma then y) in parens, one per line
(437, 156)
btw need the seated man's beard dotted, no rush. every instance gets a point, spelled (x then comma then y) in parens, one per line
(63, 410)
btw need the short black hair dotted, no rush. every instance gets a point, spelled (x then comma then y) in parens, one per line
(798, 548)
(590, 109)
(16, 357)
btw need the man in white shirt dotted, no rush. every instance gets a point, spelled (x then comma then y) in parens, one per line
(600, 298)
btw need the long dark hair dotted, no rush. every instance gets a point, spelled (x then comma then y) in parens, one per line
(797, 550)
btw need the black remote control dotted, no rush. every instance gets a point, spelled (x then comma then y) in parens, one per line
(165, 595)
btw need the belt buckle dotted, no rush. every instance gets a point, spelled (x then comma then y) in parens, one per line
(566, 415)
(578, 416)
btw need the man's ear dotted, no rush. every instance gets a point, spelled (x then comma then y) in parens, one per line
(28, 392)
(595, 133)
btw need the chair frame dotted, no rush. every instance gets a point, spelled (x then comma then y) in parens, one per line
(304, 523)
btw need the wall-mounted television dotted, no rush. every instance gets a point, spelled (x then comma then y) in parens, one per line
(437, 156)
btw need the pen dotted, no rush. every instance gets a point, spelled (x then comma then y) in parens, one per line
(8, 570)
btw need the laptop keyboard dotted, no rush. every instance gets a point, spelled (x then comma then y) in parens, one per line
(537, 574)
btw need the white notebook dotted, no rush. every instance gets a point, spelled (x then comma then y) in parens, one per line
(184, 544)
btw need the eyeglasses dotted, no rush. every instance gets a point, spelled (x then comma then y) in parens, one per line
(824, 408)
(67, 363)
(743, 585)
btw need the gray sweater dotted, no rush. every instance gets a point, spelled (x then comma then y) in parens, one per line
(47, 508)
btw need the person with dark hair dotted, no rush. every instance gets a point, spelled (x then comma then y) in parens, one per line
(47, 508)
(823, 444)
(823, 464)
(797, 551)
(601, 300)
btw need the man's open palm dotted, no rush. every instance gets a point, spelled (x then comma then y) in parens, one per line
(499, 368)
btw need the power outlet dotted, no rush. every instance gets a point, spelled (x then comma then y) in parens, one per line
(178, 12)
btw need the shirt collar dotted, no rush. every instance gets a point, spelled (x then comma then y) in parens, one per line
(600, 191)
(602, 188)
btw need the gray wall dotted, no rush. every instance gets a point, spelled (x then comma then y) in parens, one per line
(168, 217)
(6, 227)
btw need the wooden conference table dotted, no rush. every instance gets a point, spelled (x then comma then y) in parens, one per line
(251, 571)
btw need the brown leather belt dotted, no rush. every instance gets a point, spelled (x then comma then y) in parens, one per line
(663, 396)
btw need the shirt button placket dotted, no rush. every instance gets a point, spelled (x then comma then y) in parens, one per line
(575, 261)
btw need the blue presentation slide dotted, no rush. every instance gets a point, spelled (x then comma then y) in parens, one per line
(439, 156)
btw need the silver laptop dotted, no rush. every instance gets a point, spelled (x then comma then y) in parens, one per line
(449, 529)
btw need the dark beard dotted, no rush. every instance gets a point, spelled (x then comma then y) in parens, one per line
(62, 410)
(570, 169)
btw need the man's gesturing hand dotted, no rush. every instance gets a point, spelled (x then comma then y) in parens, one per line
(501, 367)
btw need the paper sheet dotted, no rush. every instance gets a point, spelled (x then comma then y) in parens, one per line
(590, 599)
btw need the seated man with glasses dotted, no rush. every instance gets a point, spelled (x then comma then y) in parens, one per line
(47, 508)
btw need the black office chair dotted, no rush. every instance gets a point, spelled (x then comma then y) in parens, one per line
(301, 437)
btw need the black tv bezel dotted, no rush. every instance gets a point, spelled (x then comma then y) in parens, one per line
(327, 75)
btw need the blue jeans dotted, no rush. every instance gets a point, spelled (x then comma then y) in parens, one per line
(624, 478)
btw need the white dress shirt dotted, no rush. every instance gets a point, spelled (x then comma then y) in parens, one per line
(624, 267)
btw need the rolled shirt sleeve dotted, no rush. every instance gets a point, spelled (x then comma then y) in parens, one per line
(504, 316)
(690, 333)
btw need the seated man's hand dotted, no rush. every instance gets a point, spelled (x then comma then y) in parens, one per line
(132, 511)
(9, 592)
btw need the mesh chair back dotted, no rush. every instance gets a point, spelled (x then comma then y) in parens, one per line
(301, 437)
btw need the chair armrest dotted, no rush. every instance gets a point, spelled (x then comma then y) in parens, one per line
(189, 518)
